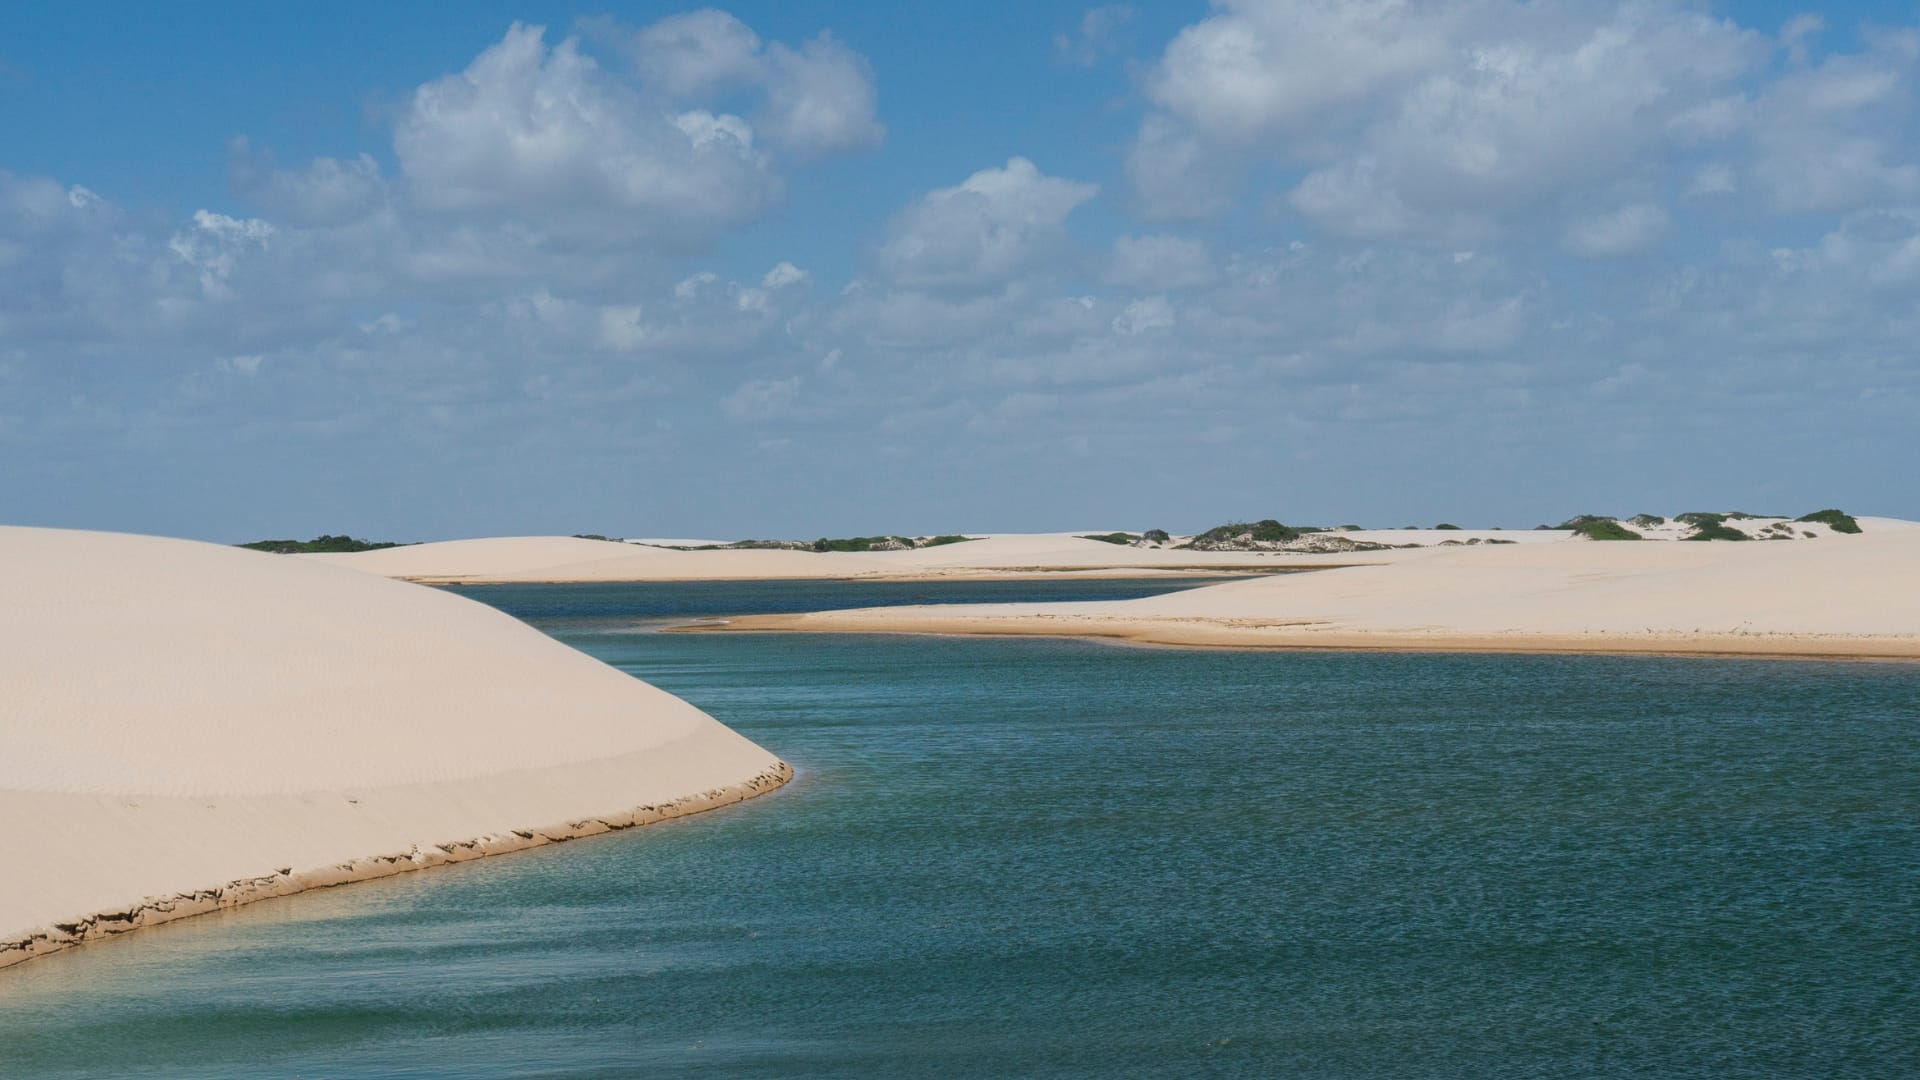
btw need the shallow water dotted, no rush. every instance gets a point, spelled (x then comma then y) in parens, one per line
(1056, 858)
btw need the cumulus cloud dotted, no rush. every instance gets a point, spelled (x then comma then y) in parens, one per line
(817, 98)
(820, 98)
(326, 191)
(697, 53)
(1438, 121)
(981, 232)
(546, 132)
(1255, 69)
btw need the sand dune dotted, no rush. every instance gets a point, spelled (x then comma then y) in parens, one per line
(1843, 596)
(188, 727)
(565, 559)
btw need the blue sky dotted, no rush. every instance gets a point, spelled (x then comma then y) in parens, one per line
(785, 270)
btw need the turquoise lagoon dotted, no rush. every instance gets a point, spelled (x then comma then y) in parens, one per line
(1070, 859)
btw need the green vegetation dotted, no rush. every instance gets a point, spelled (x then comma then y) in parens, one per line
(597, 536)
(1265, 531)
(319, 544)
(1717, 532)
(1113, 538)
(1349, 528)
(1157, 536)
(874, 543)
(1647, 521)
(1448, 525)
(1598, 527)
(1836, 520)
(864, 543)
(1711, 526)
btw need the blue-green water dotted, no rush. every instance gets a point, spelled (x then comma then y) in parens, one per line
(1053, 858)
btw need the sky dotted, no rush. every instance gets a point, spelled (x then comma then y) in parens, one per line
(419, 271)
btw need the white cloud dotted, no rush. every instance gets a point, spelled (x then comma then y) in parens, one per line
(696, 53)
(214, 245)
(1834, 137)
(1178, 177)
(547, 134)
(1255, 70)
(1094, 37)
(1797, 30)
(1433, 121)
(816, 99)
(759, 399)
(1159, 261)
(783, 275)
(1140, 316)
(1629, 230)
(326, 191)
(1715, 178)
(983, 231)
(820, 98)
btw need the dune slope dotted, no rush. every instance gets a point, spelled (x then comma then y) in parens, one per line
(188, 727)
(1843, 596)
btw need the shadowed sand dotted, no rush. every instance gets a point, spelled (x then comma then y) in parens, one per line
(189, 727)
(1844, 596)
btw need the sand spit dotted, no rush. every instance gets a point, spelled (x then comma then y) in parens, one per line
(189, 727)
(1853, 596)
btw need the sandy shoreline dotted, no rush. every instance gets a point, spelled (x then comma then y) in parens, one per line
(1239, 634)
(226, 821)
(190, 727)
(1855, 597)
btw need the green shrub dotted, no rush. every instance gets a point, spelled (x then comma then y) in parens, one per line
(1717, 531)
(1599, 528)
(1158, 536)
(1113, 538)
(1445, 525)
(862, 543)
(1265, 531)
(940, 541)
(1836, 520)
(320, 544)
(1647, 521)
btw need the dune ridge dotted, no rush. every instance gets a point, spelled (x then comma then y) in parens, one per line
(1845, 596)
(567, 559)
(190, 727)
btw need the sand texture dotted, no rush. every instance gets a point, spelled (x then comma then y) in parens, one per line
(1851, 596)
(188, 727)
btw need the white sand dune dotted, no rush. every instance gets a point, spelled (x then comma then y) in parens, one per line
(1841, 595)
(565, 559)
(188, 727)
